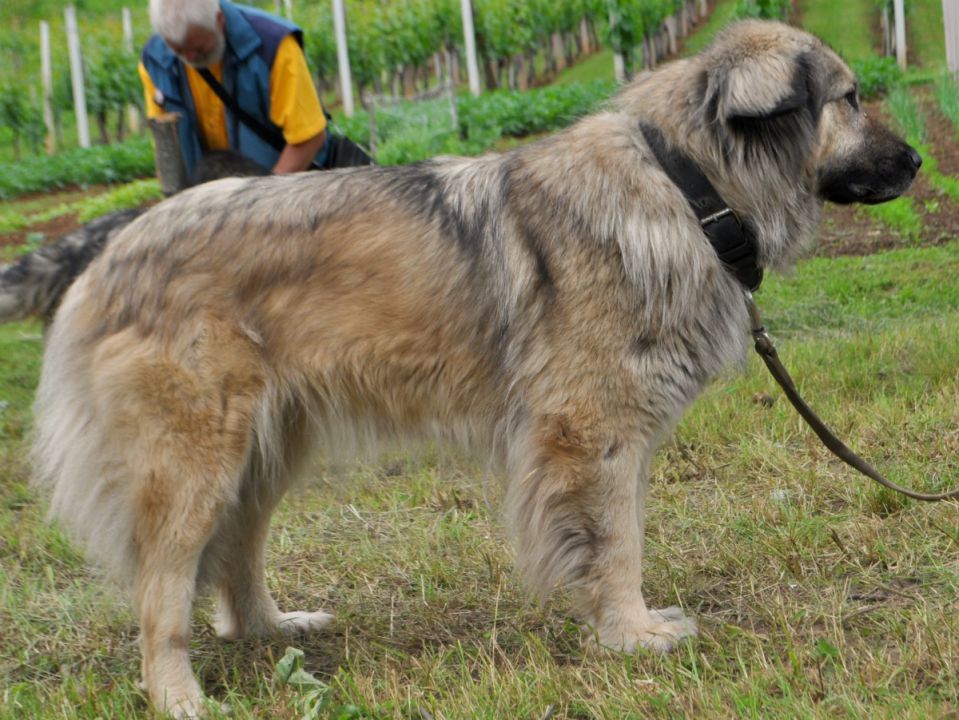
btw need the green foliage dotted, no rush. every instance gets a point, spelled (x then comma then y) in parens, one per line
(900, 215)
(877, 75)
(101, 164)
(767, 9)
(905, 111)
(517, 114)
(111, 85)
(21, 116)
(410, 132)
(131, 195)
(947, 94)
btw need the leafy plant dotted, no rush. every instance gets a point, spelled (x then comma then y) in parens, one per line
(82, 166)
(906, 113)
(768, 9)
(21, 116)
(111, 87)
(876, 75)
(947, 94)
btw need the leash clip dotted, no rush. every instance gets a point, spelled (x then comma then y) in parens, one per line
(763, 343)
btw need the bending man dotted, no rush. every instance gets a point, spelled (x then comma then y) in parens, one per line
(258, 60)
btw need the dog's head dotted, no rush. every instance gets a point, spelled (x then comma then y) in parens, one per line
(776, 91)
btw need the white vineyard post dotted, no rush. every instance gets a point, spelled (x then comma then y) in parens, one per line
(343, 56)
(950, 17)
(133, 115)
(76, 75)
(46, 78)
(469, 35)
(899, 8)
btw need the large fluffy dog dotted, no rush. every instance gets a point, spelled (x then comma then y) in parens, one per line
(557, 306)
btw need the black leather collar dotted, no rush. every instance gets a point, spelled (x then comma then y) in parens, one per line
(733, 242)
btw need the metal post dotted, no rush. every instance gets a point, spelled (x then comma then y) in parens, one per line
(46, 77)
(76, 75)
(900, 15)
(950, 18)
(469, 35)
(133, 115)
(343, 56)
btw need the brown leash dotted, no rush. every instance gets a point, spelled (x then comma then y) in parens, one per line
(767, 351)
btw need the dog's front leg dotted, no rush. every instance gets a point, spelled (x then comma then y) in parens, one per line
(577, 508)
(617, 610)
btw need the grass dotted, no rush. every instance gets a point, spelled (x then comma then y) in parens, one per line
(817, 595)
(926, 38)
(86, 206)
(723, 11)
(598, 66)
(846, 26)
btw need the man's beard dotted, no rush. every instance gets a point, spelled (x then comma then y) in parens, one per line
(212, 57)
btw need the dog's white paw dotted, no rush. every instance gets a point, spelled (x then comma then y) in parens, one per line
(660, 630)
(302, 623)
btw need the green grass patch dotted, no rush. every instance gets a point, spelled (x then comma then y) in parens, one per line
(947, 95)
(722, 14)
(596, 67)
(926, 36)
(900, 215)
(130, 195)
(125, 197)
(902, 105)
(846, 26)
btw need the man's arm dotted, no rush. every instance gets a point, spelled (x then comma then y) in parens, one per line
(299, 156)
(295, 108)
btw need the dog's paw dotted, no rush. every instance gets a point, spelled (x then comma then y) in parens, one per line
(660, 630)
(302, 623)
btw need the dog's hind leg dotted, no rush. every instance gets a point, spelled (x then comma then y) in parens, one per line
(235, 558)
(183, 492)
(188, 413)
(577, 506)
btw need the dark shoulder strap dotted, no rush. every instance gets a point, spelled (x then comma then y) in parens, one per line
(266, 134)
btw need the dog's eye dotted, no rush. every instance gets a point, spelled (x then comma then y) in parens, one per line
(852, 97)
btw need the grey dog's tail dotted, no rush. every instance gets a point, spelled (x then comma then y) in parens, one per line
(34, 285)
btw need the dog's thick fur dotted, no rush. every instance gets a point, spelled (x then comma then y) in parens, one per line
(556, 307)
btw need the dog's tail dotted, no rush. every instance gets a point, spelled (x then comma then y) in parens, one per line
(34, 285)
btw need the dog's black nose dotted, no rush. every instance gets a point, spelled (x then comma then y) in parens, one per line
(916, 158)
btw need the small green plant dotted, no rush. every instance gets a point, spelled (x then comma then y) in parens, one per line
(905, 111)
(876, 75)
(900, 215)
(131, 195)
(947, 94)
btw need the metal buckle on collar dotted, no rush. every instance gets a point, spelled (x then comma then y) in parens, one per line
(717, 216)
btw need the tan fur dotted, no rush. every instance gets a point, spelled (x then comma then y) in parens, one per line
(555, 308)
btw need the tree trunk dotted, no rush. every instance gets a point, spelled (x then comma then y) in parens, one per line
(584, 40)
(102, 127)
(121, 124)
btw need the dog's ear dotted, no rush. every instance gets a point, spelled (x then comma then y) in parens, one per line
(761, 86)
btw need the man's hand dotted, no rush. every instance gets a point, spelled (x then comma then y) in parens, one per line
(295, 158)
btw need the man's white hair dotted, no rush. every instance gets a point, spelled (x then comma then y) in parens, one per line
(171, 18)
